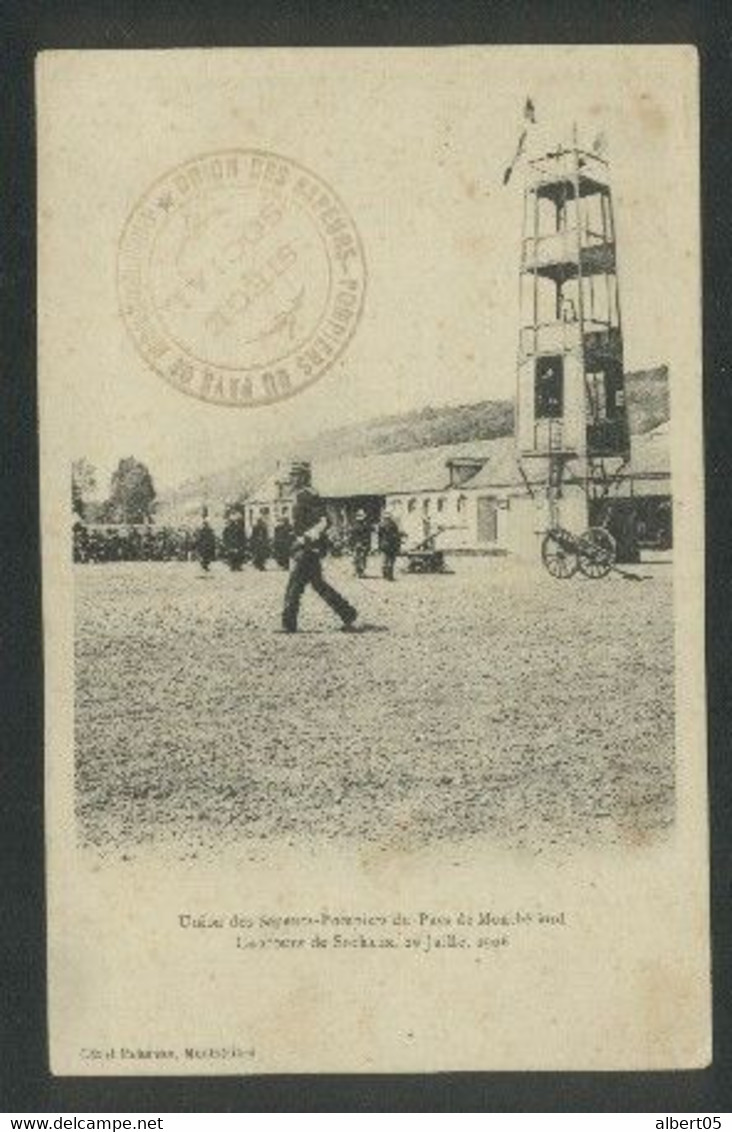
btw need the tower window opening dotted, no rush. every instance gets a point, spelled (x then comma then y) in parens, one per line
(568, 310)
(594, 229)
(612, 286)
(568, 301)
(596, 299)
(596, 397)
(549, 388)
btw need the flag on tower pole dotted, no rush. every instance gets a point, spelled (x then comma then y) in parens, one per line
(529, 120)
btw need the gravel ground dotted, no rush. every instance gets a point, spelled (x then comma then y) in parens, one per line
(486, 702)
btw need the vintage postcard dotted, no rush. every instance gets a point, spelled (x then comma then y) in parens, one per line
(370, 410)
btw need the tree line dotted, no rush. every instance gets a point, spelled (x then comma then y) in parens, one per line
(131, 499)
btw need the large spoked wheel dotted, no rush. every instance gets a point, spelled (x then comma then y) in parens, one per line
(597, 552)
(559, 553)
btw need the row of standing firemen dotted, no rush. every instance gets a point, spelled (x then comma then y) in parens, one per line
(298, 546)
(301, 546)
(236, 547)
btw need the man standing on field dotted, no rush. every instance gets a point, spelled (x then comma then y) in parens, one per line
(390, 541)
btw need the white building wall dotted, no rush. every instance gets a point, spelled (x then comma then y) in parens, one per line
(271, 512)
(422, 513)
(520, 520)
(517, 521)
(456, 511)
(526, 523)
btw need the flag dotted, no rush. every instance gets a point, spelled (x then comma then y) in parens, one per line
(529, 120)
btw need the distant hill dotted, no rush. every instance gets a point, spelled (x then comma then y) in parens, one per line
(648, 406)
(425, 428)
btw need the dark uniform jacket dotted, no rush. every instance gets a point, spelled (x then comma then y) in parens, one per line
(390, 537)
(206, 543)
(259, 538)
(361, 534)
(234, 537)
(309, 509)
(282, 537)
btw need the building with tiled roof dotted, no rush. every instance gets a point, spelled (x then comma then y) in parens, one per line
(472, 497)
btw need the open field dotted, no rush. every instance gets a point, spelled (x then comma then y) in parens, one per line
(486, 702)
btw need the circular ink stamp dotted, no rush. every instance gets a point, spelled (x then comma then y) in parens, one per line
(241, 277)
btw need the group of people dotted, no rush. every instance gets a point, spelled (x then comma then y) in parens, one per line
(389, 541)
(132, 544)
(297, 545)
(235, 547)
(310, 528)
(300, 546)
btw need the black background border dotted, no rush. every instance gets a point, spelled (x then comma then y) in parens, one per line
(26, 28)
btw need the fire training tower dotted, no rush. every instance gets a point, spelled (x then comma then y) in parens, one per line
(572, 425)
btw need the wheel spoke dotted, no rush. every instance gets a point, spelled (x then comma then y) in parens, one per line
(558, 553)
(597, 552)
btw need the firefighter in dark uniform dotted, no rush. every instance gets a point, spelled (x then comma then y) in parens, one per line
(310, 523)
(360, 539)
(282, 543)
(234, 540)
(81, 542)
(259, 544)
(206, 545)
(390, 541)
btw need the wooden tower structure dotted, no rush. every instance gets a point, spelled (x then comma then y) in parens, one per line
(572, 424)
